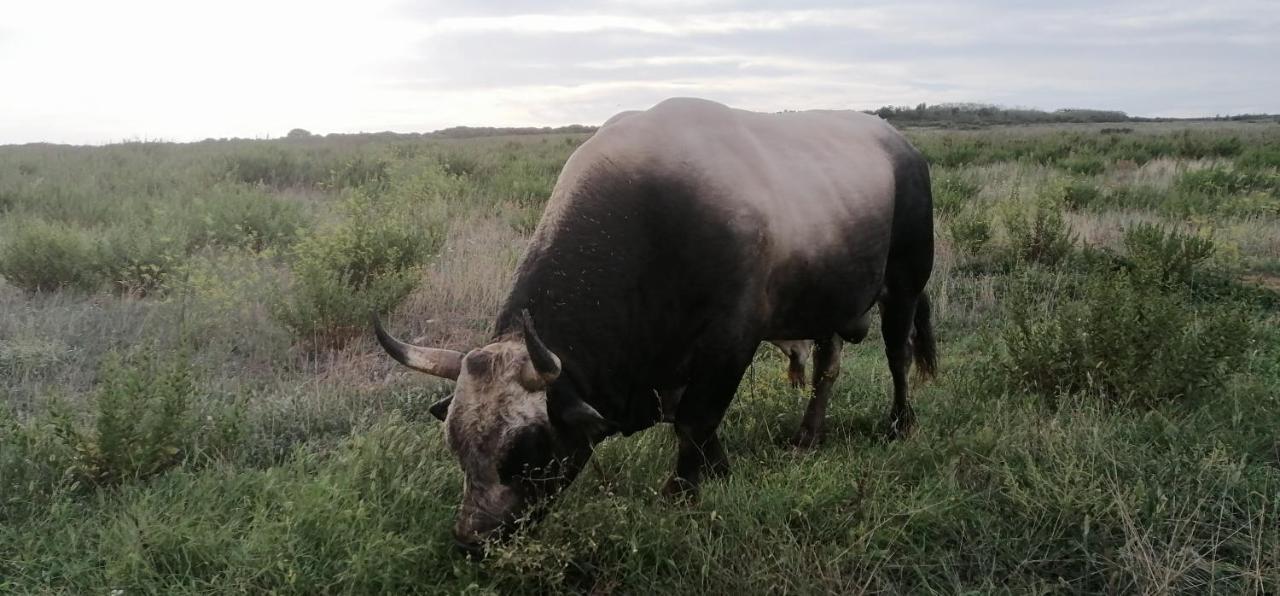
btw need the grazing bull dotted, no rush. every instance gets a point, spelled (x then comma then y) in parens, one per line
(675, 241)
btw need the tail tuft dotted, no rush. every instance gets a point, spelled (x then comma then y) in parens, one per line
(924, 348)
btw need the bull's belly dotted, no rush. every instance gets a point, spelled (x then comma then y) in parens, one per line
(820, 310)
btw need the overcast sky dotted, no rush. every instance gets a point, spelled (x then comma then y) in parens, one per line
(94, 71)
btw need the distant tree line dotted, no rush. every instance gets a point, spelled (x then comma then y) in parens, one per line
(983, 114)
(456, 132)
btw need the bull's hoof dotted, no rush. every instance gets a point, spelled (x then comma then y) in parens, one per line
(900, 424)
(680, 490)
(806, 438)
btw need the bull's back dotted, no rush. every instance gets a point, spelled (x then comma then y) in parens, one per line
(807, 200)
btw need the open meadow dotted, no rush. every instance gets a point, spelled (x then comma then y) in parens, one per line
(192, 401)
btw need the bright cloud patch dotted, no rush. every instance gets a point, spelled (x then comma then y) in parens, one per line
(80, 71)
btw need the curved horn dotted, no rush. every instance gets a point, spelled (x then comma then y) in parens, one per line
(441, 363)
(545, 363)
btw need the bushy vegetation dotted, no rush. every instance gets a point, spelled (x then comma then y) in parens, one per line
(190, 401)
(1124, 338)
(1166, 257)
(43, 257)
(1038, 234)
(366, 263)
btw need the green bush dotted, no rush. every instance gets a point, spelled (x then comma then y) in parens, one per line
(44, 257)
(144, 418)
(1165, 257)
(141, 422)
(1124, 339)
(276, 166)
(1222, 181)
(970, 231)
(954, 151)
(526, 181)
(361, 171)
(1080, 195)
(245, 217)
(366, 263)
(1039, 234)
(459, 162)
(138, 260)
(1084, 164)
(951, 194)
(1260, 158)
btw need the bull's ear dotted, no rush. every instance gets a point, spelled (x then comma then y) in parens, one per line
(580, 416)
(440, 409)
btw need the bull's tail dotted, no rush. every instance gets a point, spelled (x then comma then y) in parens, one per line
(923, 346)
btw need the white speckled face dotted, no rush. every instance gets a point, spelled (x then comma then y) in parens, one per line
(495, 422)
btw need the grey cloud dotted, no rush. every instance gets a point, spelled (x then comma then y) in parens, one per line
(1134, 56)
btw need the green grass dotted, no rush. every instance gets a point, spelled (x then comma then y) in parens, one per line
(188, 403)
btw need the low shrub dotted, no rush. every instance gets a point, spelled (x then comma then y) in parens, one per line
(970, 231)
(526, 181)
(1166, 257)
(277, 167)
(246, 217)
(1080, 195)
(459, 162)
(43, 256)
(145, 417)
(361, 172)
(954, 151)
(951, 194)
(367, 263)
(1123, 339)
(1039, 234)
(1084, 164)
(1259, 157)
(1220, 181)
(141, 424)
(137, 260)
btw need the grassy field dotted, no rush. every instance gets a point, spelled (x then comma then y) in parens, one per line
(190, 400)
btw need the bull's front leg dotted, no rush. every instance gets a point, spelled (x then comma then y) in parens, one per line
(700, 455)
(698, 416)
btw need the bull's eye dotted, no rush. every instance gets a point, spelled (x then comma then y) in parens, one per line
(528, 457)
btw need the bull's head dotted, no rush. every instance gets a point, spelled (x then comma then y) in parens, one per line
(517, 447)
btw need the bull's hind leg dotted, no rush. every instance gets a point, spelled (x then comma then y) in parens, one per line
(826, 368)
(796, 352)
(897, 311)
